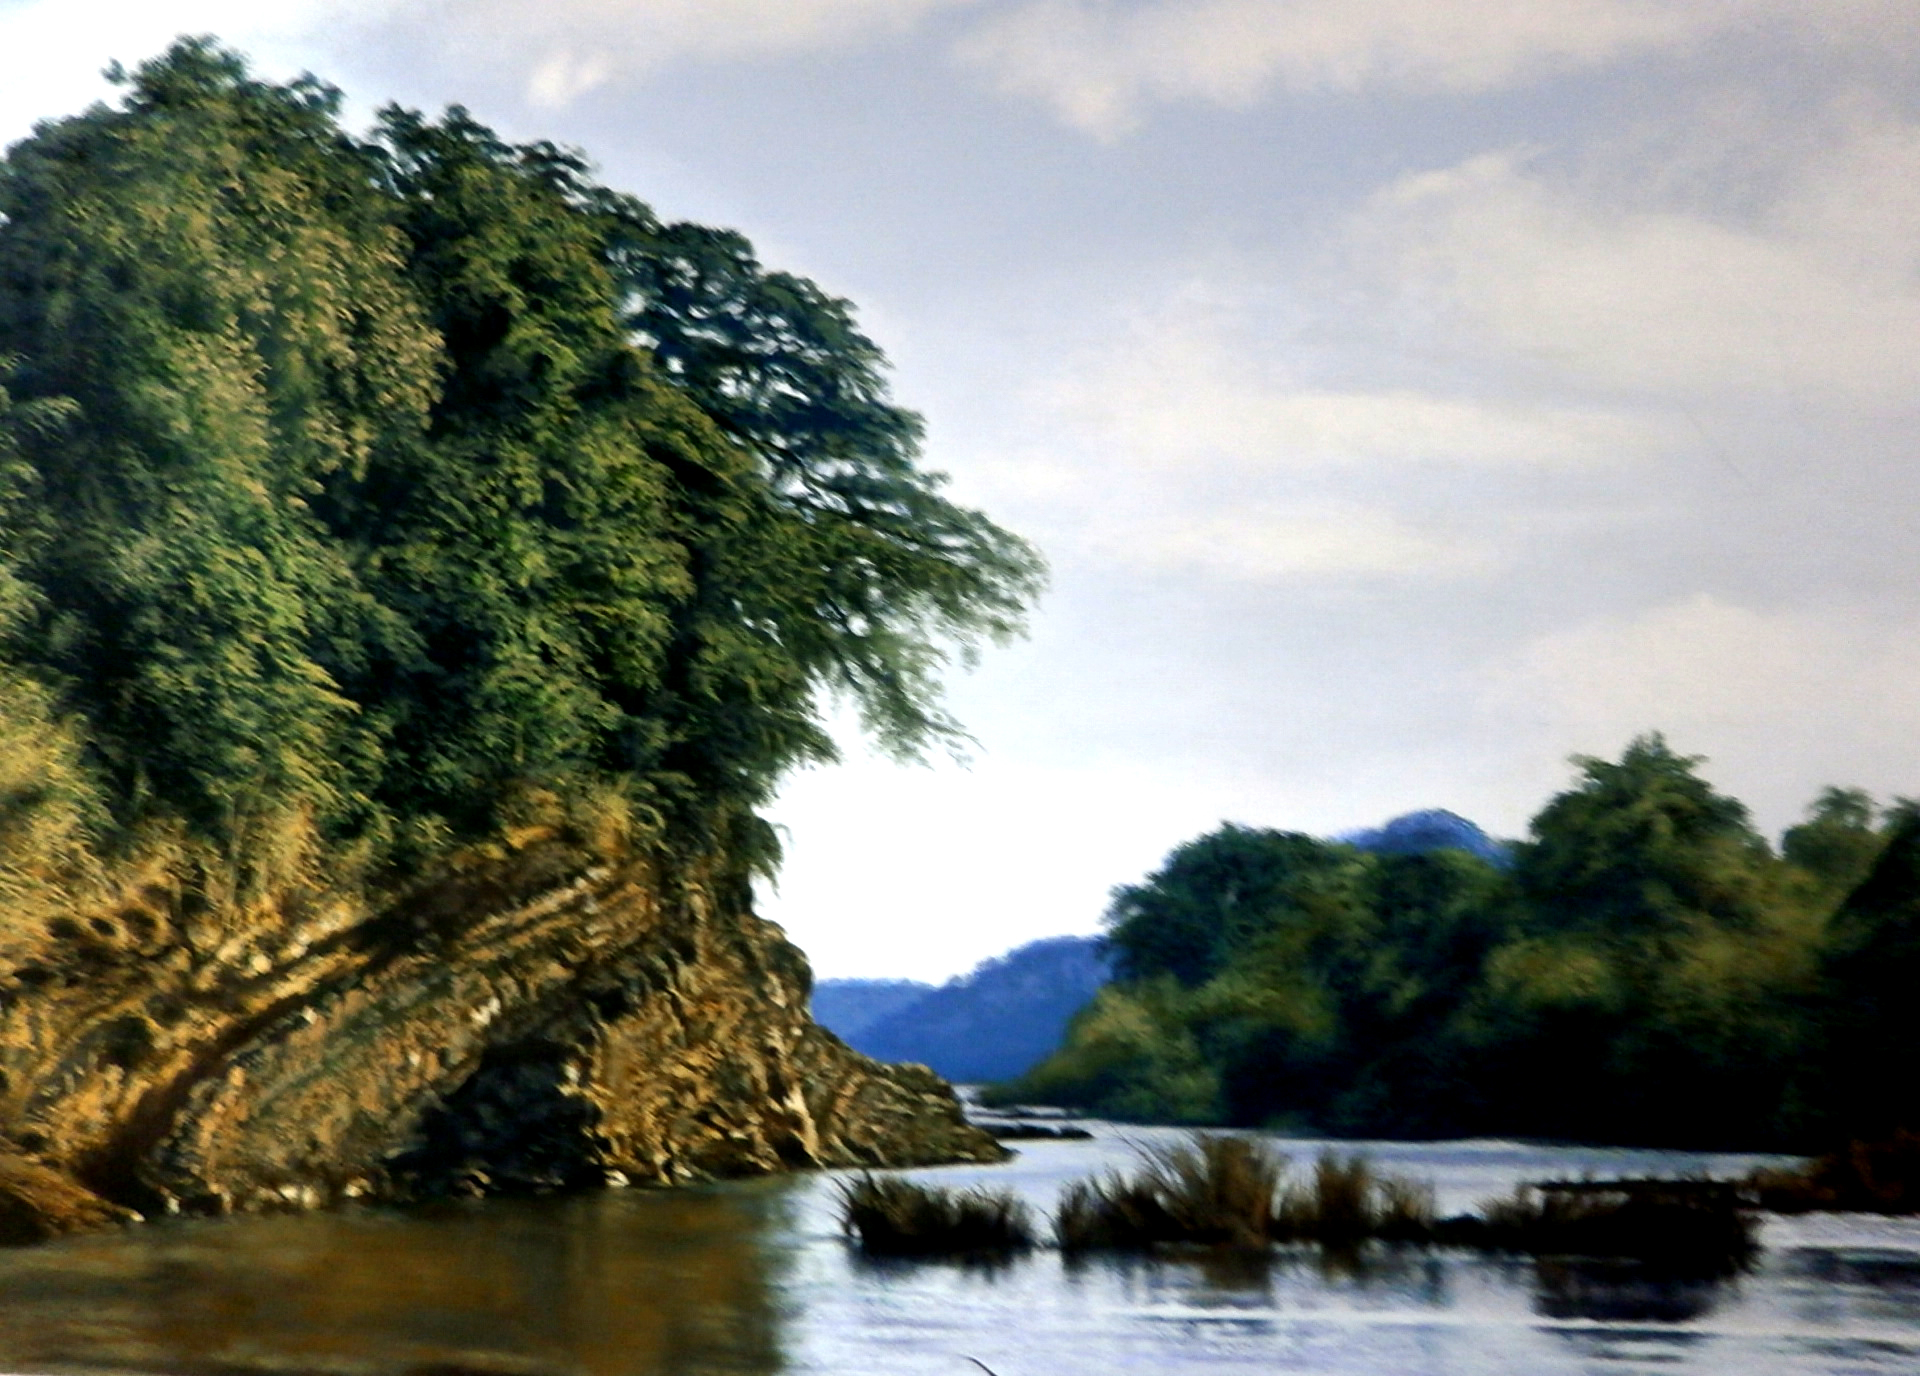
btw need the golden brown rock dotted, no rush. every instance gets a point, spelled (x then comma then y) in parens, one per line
(544, 1018)
(38, 1203)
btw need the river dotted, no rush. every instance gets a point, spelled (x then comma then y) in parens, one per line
(753, 1277)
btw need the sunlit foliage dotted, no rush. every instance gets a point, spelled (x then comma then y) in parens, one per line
(360, 489)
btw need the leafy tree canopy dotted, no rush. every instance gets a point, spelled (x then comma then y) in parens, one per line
(1641, 847)
(1648, 970)
(378, 481)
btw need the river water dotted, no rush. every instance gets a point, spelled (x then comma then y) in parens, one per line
(753, 1277)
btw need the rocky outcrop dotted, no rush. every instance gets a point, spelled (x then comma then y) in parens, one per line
(546, 1018)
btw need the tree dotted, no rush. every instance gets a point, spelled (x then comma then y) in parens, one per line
(405, 477)
(1216, 896)
(1642, 848)
(1651, 988)
(1862, 1079)
(1837, 844)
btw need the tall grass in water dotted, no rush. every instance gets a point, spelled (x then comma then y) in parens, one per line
(1348, 1202)
(1678, 1227)
(1214, 1190)
(1880, 1176)
(1233, 1192)
(895, 1217)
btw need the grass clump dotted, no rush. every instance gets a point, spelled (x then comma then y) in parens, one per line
(1347, 1202)
(1881, 1176)
(1698, 1228)
(1213, 1191)
(895, 1217)
(1224, 1191)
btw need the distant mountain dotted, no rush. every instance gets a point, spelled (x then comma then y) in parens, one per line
(847, 1007)
(1416, 833)
(993, 1023)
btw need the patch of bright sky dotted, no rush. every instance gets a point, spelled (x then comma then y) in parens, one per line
(1407, 396)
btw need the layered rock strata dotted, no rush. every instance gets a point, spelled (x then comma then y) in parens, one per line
(545, 1019)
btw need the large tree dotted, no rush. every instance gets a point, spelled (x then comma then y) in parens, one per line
(369, 485)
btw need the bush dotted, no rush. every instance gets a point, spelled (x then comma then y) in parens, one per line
(1880, 1177)
(1347, 1203)
(893, 1216)
(1231, 1192)
(1674, 1227)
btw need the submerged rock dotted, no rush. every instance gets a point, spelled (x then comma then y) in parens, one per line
(546, 1019)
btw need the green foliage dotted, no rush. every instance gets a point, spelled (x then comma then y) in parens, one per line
(1130, 1055)
(1649, 971)
(1837, 844)
(1862, 1069)
(1641, 849)
(1219, 896)
(375, 486)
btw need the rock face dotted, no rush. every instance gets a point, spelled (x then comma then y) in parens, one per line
(542, 1019)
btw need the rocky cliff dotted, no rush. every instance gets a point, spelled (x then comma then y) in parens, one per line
(541, 1017)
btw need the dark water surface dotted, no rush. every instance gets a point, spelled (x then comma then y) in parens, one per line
(753, 1278)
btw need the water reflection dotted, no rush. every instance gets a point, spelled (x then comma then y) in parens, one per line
(521, 1288)
(752, 1279)
(1619, 1292)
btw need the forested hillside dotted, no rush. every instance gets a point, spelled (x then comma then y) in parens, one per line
(1646, 969)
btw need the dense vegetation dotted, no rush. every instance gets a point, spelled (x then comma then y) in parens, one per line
(365, 497)
(1647, 969)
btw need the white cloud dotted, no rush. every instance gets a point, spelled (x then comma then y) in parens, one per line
(1781, 700)
(1182, 444)
(1318, 540)
(1177, 400)
(1098, 63)
(558, 50)
(569, 47)
(1815, 295)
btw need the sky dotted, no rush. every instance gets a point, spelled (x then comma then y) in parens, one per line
(1406, 394)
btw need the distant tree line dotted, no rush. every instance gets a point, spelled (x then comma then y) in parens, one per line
(1647, 969)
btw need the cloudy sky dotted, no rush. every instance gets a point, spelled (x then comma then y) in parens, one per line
(1406, 393)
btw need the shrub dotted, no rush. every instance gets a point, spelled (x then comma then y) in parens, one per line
(1213, 1190)
(1348, 1203)
(1675, 1227)
(893, 1216)
(1881, 1176)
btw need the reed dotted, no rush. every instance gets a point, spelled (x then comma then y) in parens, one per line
(893, 1216)
(1233, 1192)
(1348, 1202)
(1213, 1191)
(1696, 1228)
(1880, 1176)
(1112, 1213)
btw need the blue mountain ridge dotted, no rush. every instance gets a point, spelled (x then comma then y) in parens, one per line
(847, 1007)
(1416, 833)
(990, 1024)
